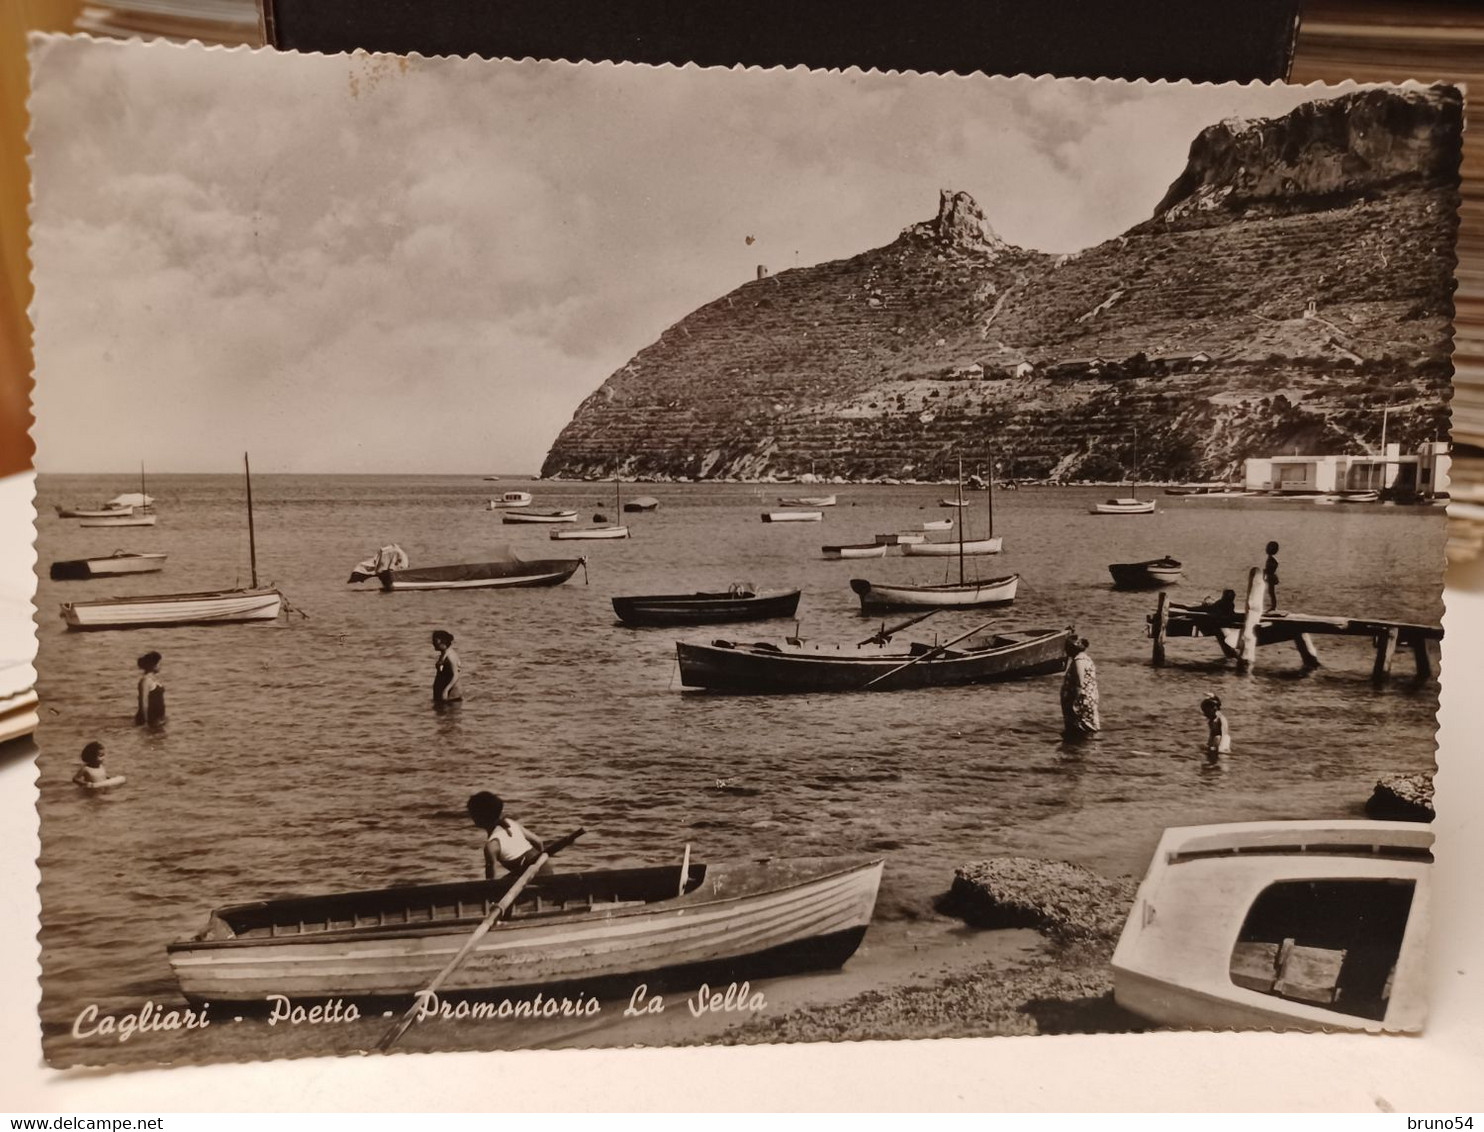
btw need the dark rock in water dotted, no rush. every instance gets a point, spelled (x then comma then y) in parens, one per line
(1067, 902)
(1402, 797)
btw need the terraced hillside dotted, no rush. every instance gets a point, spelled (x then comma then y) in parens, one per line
(1295, 280)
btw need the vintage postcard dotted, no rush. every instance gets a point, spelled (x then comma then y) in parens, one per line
(548, 555)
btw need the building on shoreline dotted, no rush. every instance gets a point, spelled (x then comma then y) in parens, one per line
(1422, 473)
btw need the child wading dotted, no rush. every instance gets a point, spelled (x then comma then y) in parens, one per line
(1218, 735)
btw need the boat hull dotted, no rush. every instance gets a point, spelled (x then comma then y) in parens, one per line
(809, 501)
(704, 609)
(80, 569)
(876, 597)
(975, 547)
(859, 550)
(1123, 507)
(1146, 575)
(724, 667)
(94, 512)
(792, 517)
(515, 517)
(19, 714)
(482, 575)
(590, 533)
(160, 611)
(737, 911)
(119, 521)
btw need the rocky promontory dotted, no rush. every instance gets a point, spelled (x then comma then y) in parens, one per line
(1296, 278)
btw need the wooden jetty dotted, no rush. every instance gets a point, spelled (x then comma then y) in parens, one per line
(1239, 631)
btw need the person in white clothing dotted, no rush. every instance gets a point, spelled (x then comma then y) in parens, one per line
(508, 846)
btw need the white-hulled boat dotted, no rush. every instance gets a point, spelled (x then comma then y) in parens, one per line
(901, 538)
(93, 512)
(1309, 925)
(119, 562)
(792, 516)
(539, 517)
(507, 573)
(126, 519)
(808, 501)
(611, 530)
(970, 547)
(510, 499)
(876, 596)
(583, 928)
(953, 503)
(855, 550)
(215, 607)
(938, 525)
(1123, 507)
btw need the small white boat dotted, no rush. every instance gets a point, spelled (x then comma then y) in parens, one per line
(159, 611)
(1123, 507)
(855, 550)
(991, 591)
(93, 512)
(127, 519)
(540, 517)
(119, 562)
(1307, 925)
(1360, 497)
(901, 538)
(618, 531)
(938, 525)
(510, 499)
(792, 516)
(953, 503)
(968, 547)
(809, 501)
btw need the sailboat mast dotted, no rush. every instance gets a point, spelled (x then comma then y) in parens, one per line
(991, 492)
(960, 520)
(143, 498)
(252, 541)
(617, 497)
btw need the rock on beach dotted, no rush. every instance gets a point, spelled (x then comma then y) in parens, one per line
(1068, 903)
(1404, 797)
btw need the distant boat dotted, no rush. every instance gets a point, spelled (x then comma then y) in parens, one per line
(792, 516)
(739, 603)
(1123, 507)
(938, 525)
(213, 607)
(856, 550)
(126, 519)
(1360, 497)
(509, 573)
(953, 503)
(726, 667)
(1234, 493)
(539, 517)
(969, 547)
(1146, 575)
(576, 928)
(93, 513)
(809, 501)
(877, 596)
(908, 538)
(1297, 925)
(119, 562)
(612, 530)
(510, 499)
(641, 503)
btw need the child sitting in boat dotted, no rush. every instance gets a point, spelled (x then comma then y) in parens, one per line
(1218, 735)
(508, 847)
(91, 775)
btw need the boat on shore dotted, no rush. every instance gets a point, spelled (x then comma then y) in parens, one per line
(1148, 575)
(724, 666)
(119, 562)
(211, 607)
(878, 596)
(1306, 925)
(586, 928)
(510, 499)
(808, 501)
(856, 550)
(739, 603)
(556, 516)
(506, 573)
(792, 516)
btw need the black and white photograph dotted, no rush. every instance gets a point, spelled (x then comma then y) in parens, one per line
(545, 555)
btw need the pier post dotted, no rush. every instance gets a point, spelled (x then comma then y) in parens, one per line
(1247, 639)
(1161, 623)
(1305, 645)
(1385, 651)
(1422, 657)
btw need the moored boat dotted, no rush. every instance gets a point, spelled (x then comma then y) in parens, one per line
(952, 503)
(1311, 925)
(938, 525)
(970, 547)
(617, 531)
(739, 603)
(855, 550)
(510, 499)
(507, 573)
(1152, 574)
(1360, 497)
(160, 611)
(725, 666)
(809, 501)
(1123, 507)
(555, 516)
(119, 562)
(564, 929)
(792, 516)
(93, 512)
(901, 538)
(878, 596)
(124, 519)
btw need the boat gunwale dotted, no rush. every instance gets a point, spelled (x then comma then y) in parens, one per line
(203, 595)
(944, 657)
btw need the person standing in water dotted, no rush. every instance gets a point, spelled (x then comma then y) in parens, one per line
(446, 688)
(508, 846)
(151, 709)
(1270, 575)
(1218, 734)
(1079, 692)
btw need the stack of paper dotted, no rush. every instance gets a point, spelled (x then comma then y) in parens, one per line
(227, 22)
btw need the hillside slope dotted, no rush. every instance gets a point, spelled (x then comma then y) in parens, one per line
(1294, 280)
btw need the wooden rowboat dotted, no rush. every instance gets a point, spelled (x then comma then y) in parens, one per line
(159, 611)
(539, 517)
(1123, 507)
(908, 538)
(968, 547)
(588, 928)
(125, 519)
(855, 550)
(723, 666)
(792, 516)
(119, 562)
(876, 596)
(508, 573)
(93, 512)
(737, 604)
(617, 531)
(1146, 575)
(938, 525)
(1308, 925)
(809, 501)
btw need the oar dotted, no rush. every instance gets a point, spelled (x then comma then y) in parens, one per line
(884, 634)
(927, 655)
(480, 932)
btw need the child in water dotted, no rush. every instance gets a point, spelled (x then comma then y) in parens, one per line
(92, 774)
(1218, 735)
(508, 847)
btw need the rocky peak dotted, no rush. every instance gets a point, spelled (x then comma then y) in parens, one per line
(960, 225)
(1319, 153)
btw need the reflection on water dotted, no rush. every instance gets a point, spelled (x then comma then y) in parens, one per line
(307, 757)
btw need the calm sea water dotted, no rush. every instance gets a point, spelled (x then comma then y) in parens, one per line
(305, 756)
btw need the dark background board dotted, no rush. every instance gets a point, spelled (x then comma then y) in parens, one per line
(1202, 40)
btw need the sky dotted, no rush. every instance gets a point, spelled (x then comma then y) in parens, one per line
(382, 265)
